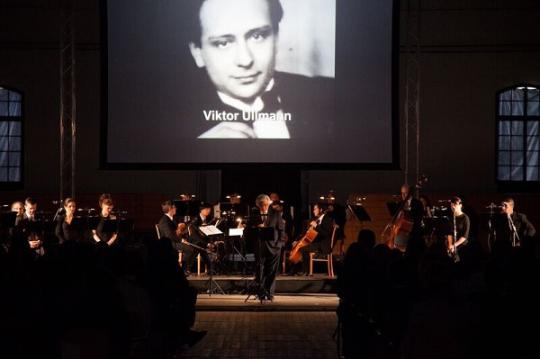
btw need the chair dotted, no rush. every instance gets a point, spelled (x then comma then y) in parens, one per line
(327, 258)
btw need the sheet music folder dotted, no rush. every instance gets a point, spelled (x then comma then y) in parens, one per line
(360, 213)
(210, 230)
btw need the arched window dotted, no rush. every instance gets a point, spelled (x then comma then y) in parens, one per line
(11, 158)
(518, 134)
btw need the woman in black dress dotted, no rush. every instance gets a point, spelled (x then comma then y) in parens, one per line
(66, 227)
(105, 233)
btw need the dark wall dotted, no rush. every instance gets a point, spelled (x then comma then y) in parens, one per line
(470, 49)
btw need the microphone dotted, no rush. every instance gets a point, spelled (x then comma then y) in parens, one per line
(444, 201)
(493, 205)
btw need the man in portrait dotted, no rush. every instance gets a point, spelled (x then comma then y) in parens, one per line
(234, 44)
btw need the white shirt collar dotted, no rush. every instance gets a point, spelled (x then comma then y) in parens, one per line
(171, 217)
(256, 106)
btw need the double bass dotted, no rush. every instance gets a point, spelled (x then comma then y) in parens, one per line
(401, 225)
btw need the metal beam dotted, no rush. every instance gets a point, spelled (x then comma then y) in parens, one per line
(68, 101)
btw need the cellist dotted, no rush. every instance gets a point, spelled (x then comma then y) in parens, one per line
(323, 225)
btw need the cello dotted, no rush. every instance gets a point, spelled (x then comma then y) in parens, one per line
(295, 256)
(309, 236)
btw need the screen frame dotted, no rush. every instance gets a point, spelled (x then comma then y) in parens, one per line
(104, 164)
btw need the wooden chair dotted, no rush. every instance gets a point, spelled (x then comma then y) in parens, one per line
(327, 258)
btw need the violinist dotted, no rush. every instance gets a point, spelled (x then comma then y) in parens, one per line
(105, 233)
(460, 228)
(323, 225)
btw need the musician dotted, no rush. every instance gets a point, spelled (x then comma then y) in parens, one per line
(104, 234)
(323, 225)
(18, 207)
(513, 226)
(414, 211)
(460, 227)
(28, 227)
(279, 206)
(170, 229)
(266, 227)
(428, 207)
(198, 238)
(66, 229)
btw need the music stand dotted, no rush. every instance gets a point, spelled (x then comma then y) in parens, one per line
(238, 233)
(359, 212)
(260, 234)
(211, 285)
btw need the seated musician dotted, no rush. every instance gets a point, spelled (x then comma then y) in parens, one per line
(323, 225)
(198, 238)
(103, 234)
(28, 228)
(65, 226)
(170, 229)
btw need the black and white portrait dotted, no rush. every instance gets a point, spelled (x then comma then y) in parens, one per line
(215, 81)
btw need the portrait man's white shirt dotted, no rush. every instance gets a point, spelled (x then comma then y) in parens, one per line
(261, 128)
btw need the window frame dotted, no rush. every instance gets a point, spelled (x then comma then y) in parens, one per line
(514, 185)
(7, 185)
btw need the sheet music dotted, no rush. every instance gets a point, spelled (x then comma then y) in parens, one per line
(236, 232)
(210, 230)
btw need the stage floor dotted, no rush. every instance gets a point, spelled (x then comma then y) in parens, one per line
(243, 334)
(237, 284)
(282, 302)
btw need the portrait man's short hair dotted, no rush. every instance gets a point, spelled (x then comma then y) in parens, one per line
(193, 25)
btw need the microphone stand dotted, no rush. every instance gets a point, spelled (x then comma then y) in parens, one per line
(515, 236)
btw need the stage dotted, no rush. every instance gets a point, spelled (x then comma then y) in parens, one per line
(237, 284)
(281, 303)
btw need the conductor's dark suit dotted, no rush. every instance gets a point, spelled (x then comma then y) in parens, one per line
(267, 230)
